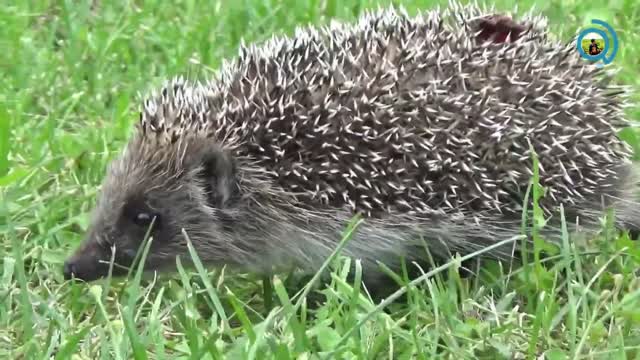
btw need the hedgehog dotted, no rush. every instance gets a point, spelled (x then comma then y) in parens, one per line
(425, 126)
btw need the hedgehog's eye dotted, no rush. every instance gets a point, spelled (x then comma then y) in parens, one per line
(144, 219)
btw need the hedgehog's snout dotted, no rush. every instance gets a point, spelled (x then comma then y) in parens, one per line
(80, 268)
(87, 263)
(68, 270)
(73, 269)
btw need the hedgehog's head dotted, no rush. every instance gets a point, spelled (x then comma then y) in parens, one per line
(159, 189)
(160, 192)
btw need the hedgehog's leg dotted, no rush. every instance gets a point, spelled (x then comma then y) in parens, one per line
(627, 213)
(380, 285)
(626, 200)
(621, 195)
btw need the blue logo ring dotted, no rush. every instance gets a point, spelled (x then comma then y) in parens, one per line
(602, 56)
(603, 53)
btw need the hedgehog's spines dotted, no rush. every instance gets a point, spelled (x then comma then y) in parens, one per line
(498, 90)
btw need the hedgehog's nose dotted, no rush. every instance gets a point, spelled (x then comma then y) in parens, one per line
(68, 270)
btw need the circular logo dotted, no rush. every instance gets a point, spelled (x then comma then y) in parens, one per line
(594, 45)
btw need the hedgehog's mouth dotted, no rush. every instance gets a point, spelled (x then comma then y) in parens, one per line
(92, 261)
(74, 270)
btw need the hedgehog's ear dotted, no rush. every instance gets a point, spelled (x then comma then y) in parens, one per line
(218, 174)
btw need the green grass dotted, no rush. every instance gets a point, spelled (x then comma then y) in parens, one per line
(70, 74)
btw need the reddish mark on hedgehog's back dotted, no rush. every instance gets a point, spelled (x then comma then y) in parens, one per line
(499, 29)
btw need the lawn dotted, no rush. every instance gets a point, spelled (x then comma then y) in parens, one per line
(71, 76)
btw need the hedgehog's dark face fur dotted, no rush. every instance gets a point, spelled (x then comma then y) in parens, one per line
(157, 192)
